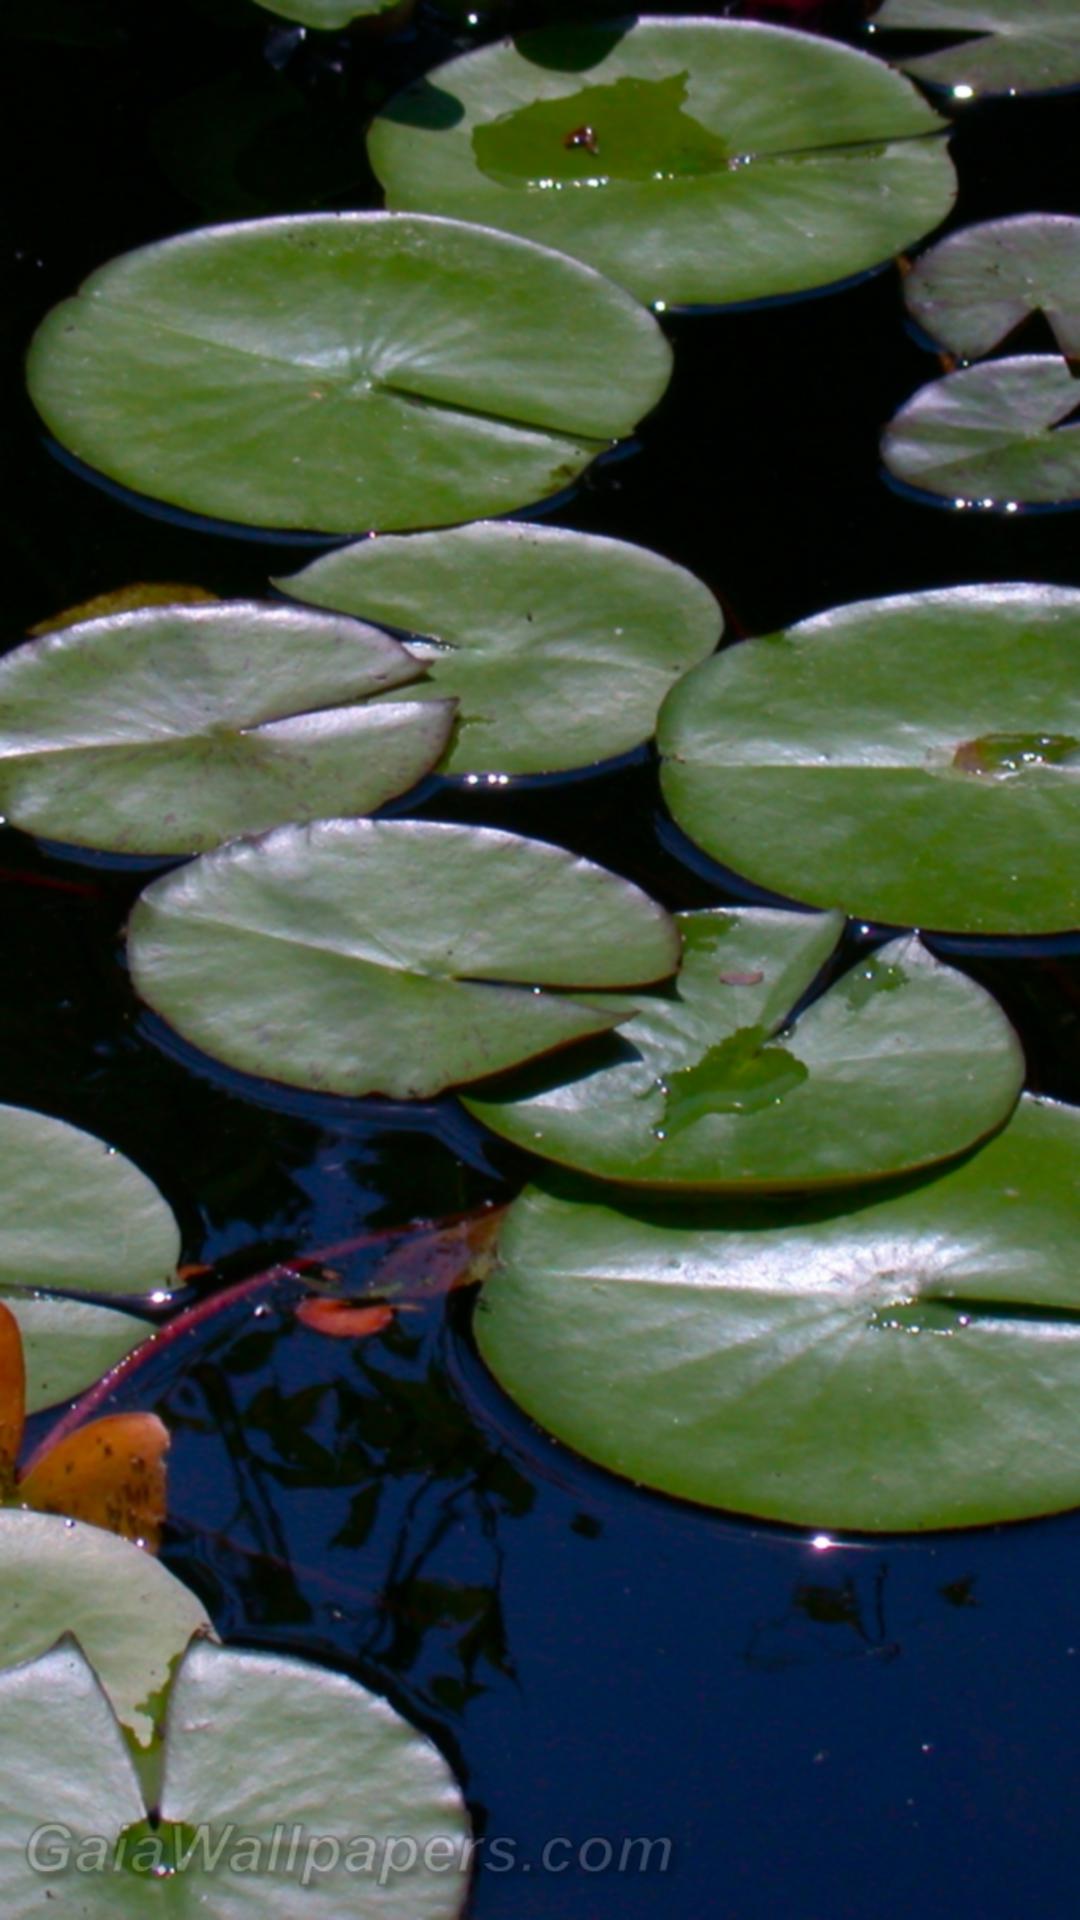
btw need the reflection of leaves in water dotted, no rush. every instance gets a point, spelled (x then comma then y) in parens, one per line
(355, 1476)
(808, 1632)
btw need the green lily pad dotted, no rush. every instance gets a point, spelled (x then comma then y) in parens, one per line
(68, 1344)
(1005, 46)
(329, 16)
(558, 646)
(712, 1087)
(693, 160)
(995, 435)
(395, 956)
(76, 1215)
(286, 1789)
(131, 1617)
(898, 1363)
(975, 288)
(339, 372)
(172, 729)
(65, 22)
(914, 761)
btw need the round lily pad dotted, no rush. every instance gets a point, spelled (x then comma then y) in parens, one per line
(131, 1617)
(713, 1086)
(559, 647)
(77, 1216)
(994, 435)
(68, 1344)
(693, 160)
(898, 1363)
(397, 957)
(287, 1789)
(172, 729)
(326, 15)
(339, 372)
(975, 288)
(915, 761)
(996, 46)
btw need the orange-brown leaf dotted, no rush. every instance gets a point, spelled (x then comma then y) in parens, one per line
(110, 1473)
(342, 1319)
(443, 1260)
(12, 1398)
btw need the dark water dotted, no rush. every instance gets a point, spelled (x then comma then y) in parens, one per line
(821, 1731)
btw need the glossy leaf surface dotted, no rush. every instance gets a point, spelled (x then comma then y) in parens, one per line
(255, 1745)
(558, 646)
(110, 1473)
(898, 1363)
(693, 160)
(130, 599)
(914, 761)
(76, 1215)
(327, 16)
(68, 1344)
(711, 1086)
(169, 731)
(975, 288)
(340, 372)
(390, 956)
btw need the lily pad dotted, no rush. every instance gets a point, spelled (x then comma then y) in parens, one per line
(172, 729)
(712, 1086)
(693, 160)
(68, 1344)
(558, 646)
(1004, 46)
(77, 1216)
(328, 16)
(899, 1363)
(994, 435)
(398, 957)
(286, 1789)
(975, 288)
(339, 372)
(915, 760)
(131, 1617)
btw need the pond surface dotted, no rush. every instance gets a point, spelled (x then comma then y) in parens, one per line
(821, 1729)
